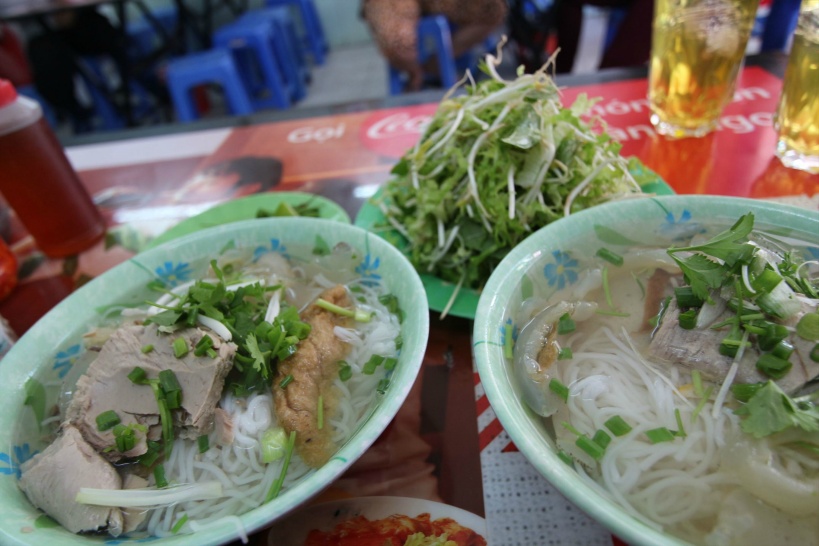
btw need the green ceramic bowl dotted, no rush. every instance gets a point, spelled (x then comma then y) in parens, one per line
(47, 351)
(522, 274)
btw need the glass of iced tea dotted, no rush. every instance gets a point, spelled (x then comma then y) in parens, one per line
(797, 118)
(696, 54)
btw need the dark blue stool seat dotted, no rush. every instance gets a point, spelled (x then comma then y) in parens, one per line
(216, 66)
(286, 47)
(313, 37)
(263, 67)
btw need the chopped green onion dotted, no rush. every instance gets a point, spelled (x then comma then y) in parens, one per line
(107, 420)
(766, 281)
(565, 353)
(147, 348)
(159, 476)
(592, 448)
(745, 391)
(170, 386)
(701, 404)
(277, 485)
(686, 297)
(382, 386)
(660, 434)
(559, 389)
(680, 428)
(180, 347)
(345, 371)
(565, 324)
(808, 327)
(390, 362)
(372, 364)
(508, 342)
(358, 315)
(783, 350)
(138, 376)
(148, 458)
(730, 344)
(688, 319)
(320, 412)
(618, 426)
(203, 443)
(814, 353)
(774, 333)
(696, 380)
(179, 524)
(274, 442)
(390, 301)
(203, 345)
(601, 438)
(610, 256)
(773, 366)
(286, 381)
(565, 457)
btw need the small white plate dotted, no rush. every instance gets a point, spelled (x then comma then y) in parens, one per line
(293, 530)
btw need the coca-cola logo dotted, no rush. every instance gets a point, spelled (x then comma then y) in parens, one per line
(392, 132)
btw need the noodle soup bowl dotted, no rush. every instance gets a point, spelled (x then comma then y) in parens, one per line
(32, 374)
(551, 260)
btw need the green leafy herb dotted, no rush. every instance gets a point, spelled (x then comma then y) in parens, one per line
(203, 443)
(770, 410)
(494, 164)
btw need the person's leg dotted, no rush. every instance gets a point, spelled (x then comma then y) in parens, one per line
(394, 25)
(474, 20)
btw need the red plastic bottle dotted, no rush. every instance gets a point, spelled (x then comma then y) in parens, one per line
(39, 183)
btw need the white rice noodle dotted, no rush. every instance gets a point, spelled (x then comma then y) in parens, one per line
(245, 479)
(666, 484)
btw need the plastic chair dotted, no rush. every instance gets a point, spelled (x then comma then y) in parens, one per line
(286, 45)
(214, 66)
(313, 37)
(780, 25)
(434, 31)
(263, 67)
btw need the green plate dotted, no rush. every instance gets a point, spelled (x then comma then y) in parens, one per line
(246, 208)
(439, 292)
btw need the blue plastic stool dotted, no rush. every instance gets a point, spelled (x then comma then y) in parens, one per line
(214, 66)
(780, 24)
(259, 61)
(432, 30)
(313, 38)
(287, 45)
(142, 35)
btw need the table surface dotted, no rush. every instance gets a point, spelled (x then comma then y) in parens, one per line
(147, 180)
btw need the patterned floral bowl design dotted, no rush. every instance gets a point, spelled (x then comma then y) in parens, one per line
(31, 373)
(549, 260)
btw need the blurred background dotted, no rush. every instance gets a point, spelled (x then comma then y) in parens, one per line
(99, 65)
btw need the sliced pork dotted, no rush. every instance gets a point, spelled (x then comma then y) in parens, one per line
(313, 368)
(106, 386)
(699, 349)
(52, 479)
